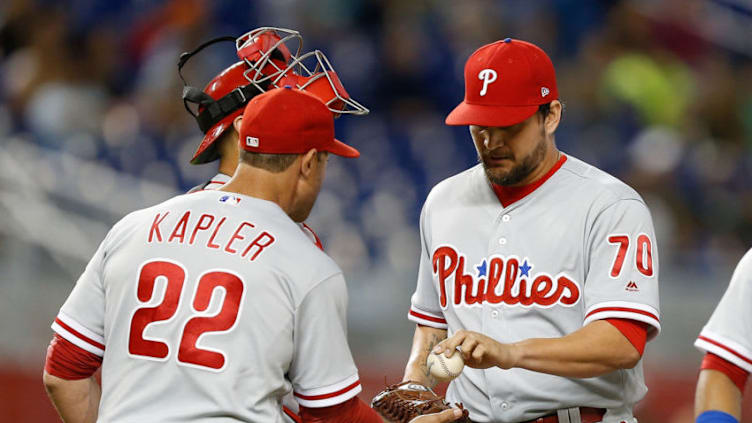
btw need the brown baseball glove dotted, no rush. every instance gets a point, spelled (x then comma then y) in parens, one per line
(405, 401)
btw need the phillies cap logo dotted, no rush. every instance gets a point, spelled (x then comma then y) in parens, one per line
(488, 76)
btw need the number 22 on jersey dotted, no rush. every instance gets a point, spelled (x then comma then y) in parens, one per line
(197, 325)
(643, 257)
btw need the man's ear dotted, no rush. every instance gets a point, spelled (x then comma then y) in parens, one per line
(237, 122)
(309, 162)
(554, 117)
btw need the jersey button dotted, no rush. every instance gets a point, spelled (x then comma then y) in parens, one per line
(494, 314)
(502, 241)
(505, 218)
(504, 406)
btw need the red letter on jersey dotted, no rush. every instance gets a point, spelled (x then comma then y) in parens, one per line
(495, 271)
(510, 276)
(179, 231)
(235, 236)
(211, 244)
(462, 280)
(200, 226)
(262, 241)
(571, 286)
(444, 263)
(155, 227)
(540, 290)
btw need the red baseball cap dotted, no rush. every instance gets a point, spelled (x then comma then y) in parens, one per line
(288, 121)
(505, 82)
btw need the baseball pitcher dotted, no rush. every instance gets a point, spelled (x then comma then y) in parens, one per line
(540, 269)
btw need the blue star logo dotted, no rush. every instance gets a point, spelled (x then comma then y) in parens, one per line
(481, 268)
(525, 269)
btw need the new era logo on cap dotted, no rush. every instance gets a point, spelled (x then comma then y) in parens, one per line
(544, 91)
(251, 141)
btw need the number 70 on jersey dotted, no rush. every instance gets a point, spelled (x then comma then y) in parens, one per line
(643, 256)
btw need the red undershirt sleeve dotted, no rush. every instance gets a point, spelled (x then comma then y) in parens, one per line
(68, 361)
(351, 411)
(735, 373)
(636, 332)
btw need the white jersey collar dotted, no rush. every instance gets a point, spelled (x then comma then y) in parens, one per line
(217, 181)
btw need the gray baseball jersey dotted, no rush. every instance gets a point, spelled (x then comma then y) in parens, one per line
(211, 306)
(728, 333)
(579, 248)
(220, 179)
(290, 405)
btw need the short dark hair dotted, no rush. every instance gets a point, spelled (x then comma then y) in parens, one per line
(274, 163)
(544, 110)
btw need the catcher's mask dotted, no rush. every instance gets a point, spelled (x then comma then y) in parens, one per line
(266, 63)
(311, 72)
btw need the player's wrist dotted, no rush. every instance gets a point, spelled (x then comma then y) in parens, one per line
(417, 373)
(513, 357)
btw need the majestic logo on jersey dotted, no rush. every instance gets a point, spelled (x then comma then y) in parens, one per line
(632, 286)
(488, 76)
(500, 279)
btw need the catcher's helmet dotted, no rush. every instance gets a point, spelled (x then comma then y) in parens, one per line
(266, 62)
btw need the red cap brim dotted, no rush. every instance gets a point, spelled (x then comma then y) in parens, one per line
(482, 115)
(341, 149)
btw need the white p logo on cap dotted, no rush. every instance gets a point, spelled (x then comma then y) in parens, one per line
(488, 76)
(251, 141)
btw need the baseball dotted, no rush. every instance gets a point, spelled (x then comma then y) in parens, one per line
(445, 369)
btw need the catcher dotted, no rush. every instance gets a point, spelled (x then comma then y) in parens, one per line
(269, 57)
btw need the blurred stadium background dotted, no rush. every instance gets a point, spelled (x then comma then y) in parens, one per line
(658, 93)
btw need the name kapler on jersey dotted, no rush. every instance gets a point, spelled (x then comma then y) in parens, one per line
(205, 229)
